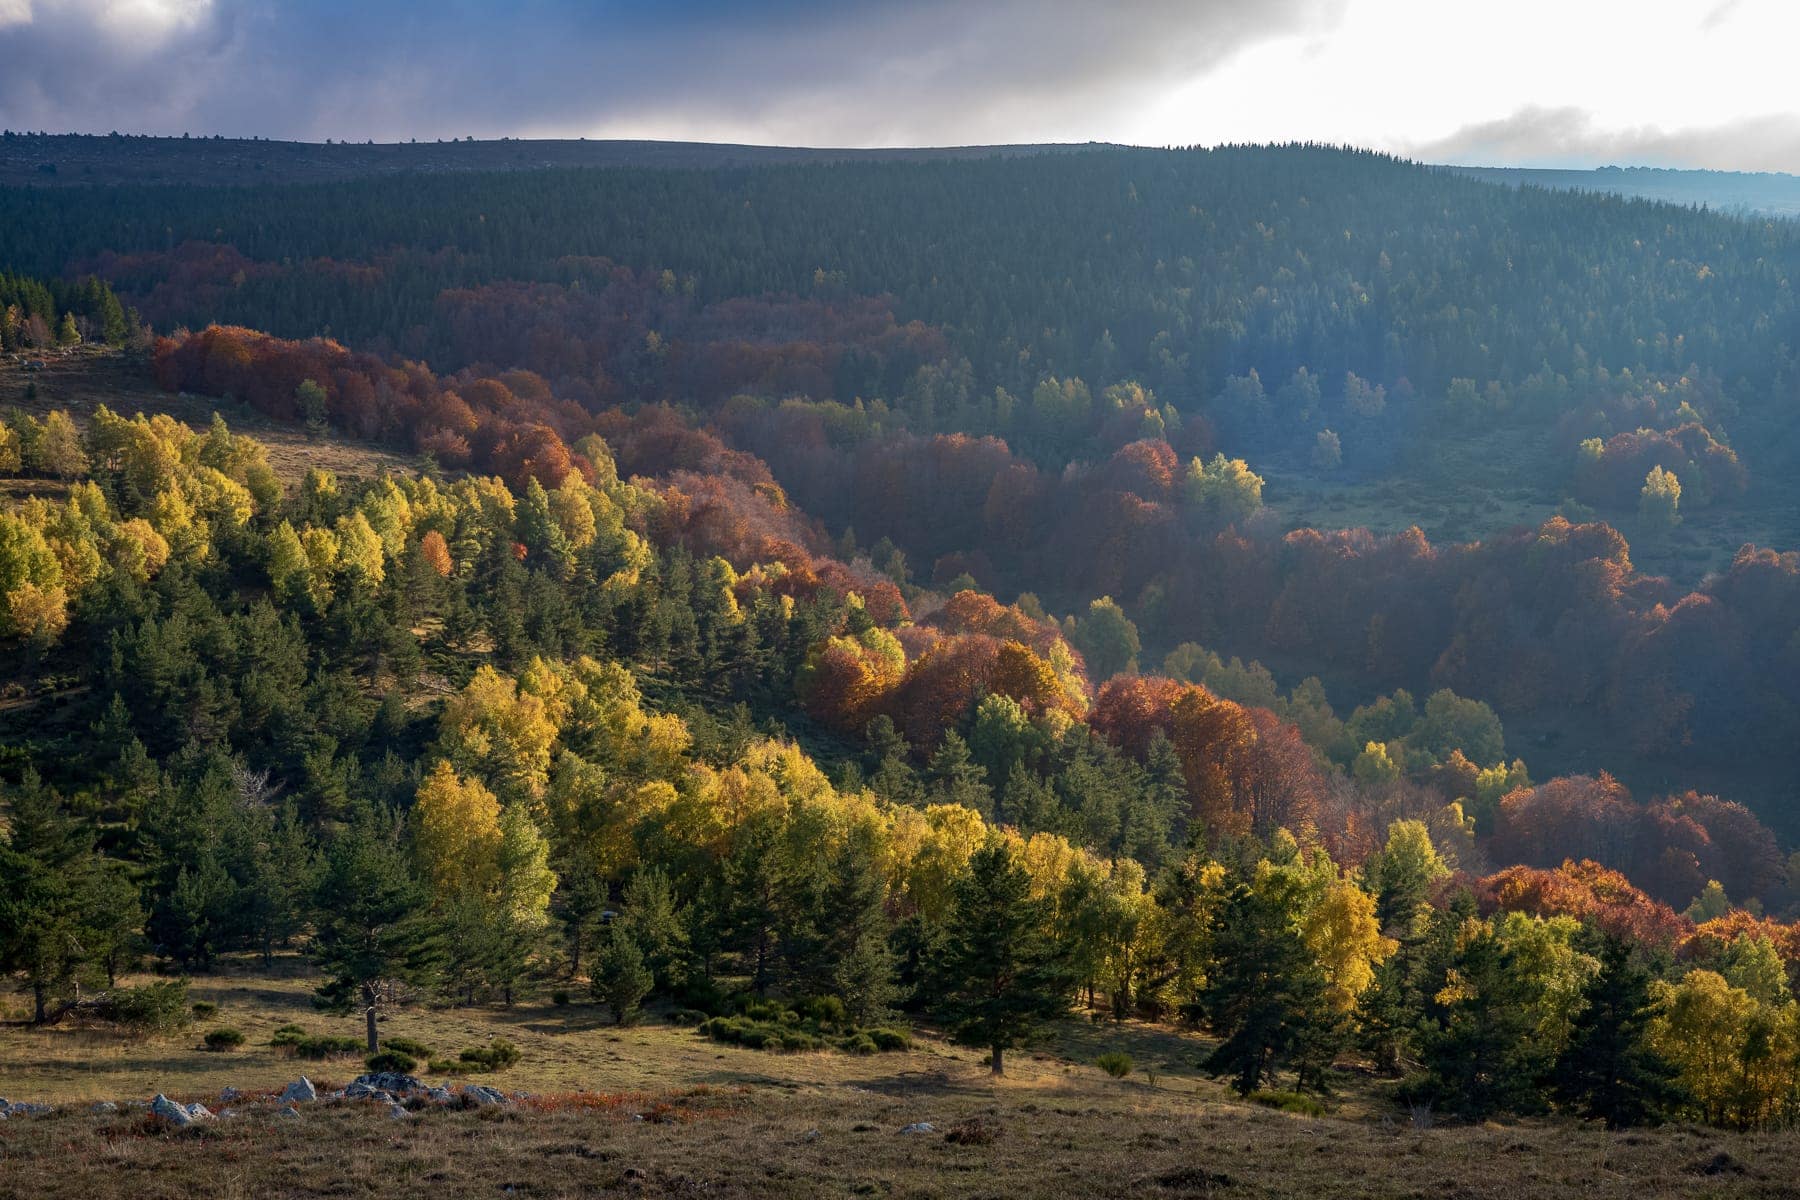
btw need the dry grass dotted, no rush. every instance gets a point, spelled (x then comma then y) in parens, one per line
(81, 380)
(725, 1121)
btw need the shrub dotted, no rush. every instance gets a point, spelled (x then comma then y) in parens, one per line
(203, 1009)
(407, 1045)
(976, 1131)
(391, 1060)
(859, 1043)
(1290, 1102)
(890, 1039)
(687, 1016)
(826, 1010)
(560, 997)
(224, 1038)
(1115, 1063)
(497, 1055)
(794, 1040)
(160, 1007)
(445, 1066)
(326, 1046)
(287, 1035)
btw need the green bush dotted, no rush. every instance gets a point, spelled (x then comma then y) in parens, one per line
(391, 1060)
(890, 1039)
(287, 1035)
(687, 1016)
(444, 1066)
(795, 1040)
(224, 1038)
(497, 1055)
(160, 1007)
(411, 1046)
(560, 997)
(858, 1043)
(1115, 1063)
(325, 1046)
(1290, 1102)
(203, 1009)
(826, 1010)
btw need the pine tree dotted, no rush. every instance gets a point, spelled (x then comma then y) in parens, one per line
(371, 930)
(1608, 1070)
(955, 778)
(1478, 1041)
(46, 895)
(1002, 975)
(621, 979)
(1265, 996)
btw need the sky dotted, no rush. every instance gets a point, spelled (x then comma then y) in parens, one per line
(1564, 83)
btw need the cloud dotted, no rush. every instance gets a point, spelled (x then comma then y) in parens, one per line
(811, 71)
(1569, 137)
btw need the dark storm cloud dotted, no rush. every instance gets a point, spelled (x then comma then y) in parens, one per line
(1568, 137)
(856, 71)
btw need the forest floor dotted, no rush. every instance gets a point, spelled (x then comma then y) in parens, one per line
(656, 1109)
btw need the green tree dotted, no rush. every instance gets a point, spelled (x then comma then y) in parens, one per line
(1609, 1070)
(1659, 503)
(47, 876)
(372, 935)
(1265, 996)
(1107, 639)
(621, 979)
(1001, 974)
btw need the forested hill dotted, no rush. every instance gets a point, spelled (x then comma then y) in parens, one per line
(1769, 193)
(49, 160)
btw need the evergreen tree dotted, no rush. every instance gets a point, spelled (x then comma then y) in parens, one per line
(621, 979)
(47, 896)
(1608, 1070)
(1265, 995)
(1001, 974)
(371, 932)
(1477, 1041)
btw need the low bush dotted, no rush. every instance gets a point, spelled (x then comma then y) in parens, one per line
(322, 1046)
(1290, 1102)
(224, 1038)
(203, 1009)
(287, 1035)
(410, 1046)
(391, 1061)
(154, 1008)
(858, 1043)
(890, 1039)
(1115, 1063)
(767, 1025)
(497, 1055)
(560, 997)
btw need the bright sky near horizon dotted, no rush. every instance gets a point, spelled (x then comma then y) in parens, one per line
(1526, 82)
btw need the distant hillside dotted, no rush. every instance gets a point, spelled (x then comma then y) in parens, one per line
(1730, 191)
(73, 159)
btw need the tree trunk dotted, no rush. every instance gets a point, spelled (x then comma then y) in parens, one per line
(39, 1003)
(369, 997)
(995, 1065)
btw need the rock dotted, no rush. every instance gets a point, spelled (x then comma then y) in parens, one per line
(389, 1081)
(104, 1106)
(811, 1135)
(479, 1096)
(397, 1113)
(289, 1112)
(230, 1094)
(358, 1090)
(178, 1115)
(227, 1113)
(920, 1127)
(21, 1108)
(300, 1090)
(440, 1095)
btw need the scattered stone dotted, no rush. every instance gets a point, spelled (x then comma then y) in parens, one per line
(104, 1106)
(389, 1081)
(920, 1127)
(397, 1113)
(440, 1095)
(480, 1096)
(300, 1090)
(358, 1090)
(811, 1135)
(21, 1108)
(289, 1112)
(178, 1115)
(230, 1094)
